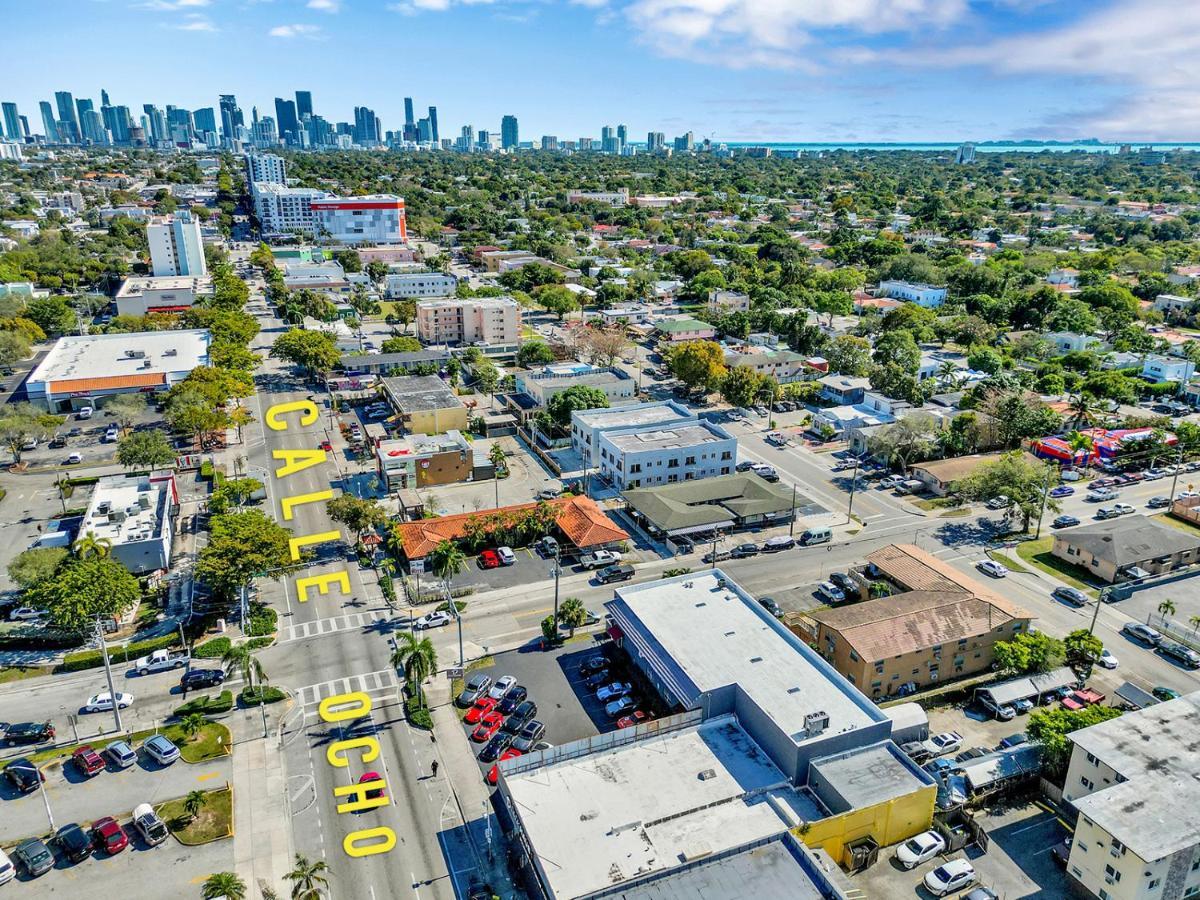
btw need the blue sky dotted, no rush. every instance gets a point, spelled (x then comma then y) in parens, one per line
(781, 70)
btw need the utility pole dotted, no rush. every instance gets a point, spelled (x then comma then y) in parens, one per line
(112, 692)
(557, 573)
(716, 538)
(1045, 499)
(853, 488)
(1175, 476)
(1104, 592)
(458, 619)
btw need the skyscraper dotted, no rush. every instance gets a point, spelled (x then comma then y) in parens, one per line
(509, 136)
(48, 122)
(408, 111)
(366, 126)
(66, 114)
(303, 104)
(608, 140)
(622, 137)
(205, 120)
(655, 141)
(91, 123)
(82, 106)
(411, 132)
(12, 122)
(231, 117)
(156, 121)
(121, 124)
(104, 98)
(433, 129)
(285, 116)
(424, 131)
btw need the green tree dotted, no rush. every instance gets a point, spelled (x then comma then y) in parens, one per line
(357, 514)
(572, 613)
(1016, 476)
(1033, 651)
(549, 630)
(898, 348)
(35, 565)
(1082, 649)
(21, 422)
(418, 658)
(240, 660)
(313, 351)
(232, 492)
(1166, 609)
(498, 459)
(557, 299)
(698, 364)
(126, 408)
(445, 561)
(243, 545)
(909, 439)
(90, 545)
(145, 449)
(831, 303)
(487, 377)
(82, 589)
(579, 397)
(223, 886)
(849, 355)
(534, 353)
(309, 878)
(1051, 726)
(14, 347)
(742, 386)
(1073, 316)
(54, 315)
(400, 345)
(985, 359)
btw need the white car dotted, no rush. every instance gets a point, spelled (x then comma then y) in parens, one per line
(1000, 502)
(1100, 495)
(950, 877)
(26, 614)
(502, 687)
(1122, 509)
(149, 825)
(104, 702)
(433, 620)
(1107, 659)
(613, 691)
(7, 870)
(830, 591)
(991, 567)
(946, 742)
(920, 849)
(507, 557)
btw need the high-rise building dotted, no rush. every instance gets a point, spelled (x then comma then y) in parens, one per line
(685, 143)
(231, 117)
(433, 126)
(104, 98)
(91, 124)
(303, 104)
(263, 133)
(509, 135)
(175, 245)
(374, 219)
(66, 113)
(424, 132)
(265, 167)
(655, 141)
(119, 124)
(156, 122)
(285, 115)
(622, 137)
(81, 106)
(366, 126)
(25, 132)
(205, 120)
(408, 111)
(12, 122)
(48, 122)
(549, 142)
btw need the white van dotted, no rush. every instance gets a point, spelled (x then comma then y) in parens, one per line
(815, 536)
(85, 412)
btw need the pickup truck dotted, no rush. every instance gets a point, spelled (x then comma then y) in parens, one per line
(599, 559)
(161, 661)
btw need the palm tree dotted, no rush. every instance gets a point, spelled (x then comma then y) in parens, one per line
(947, 373)
(192, 723)
(1083, 409)
(1166, 608)
(90, 545)
(572, 613)
(1194, 621)
(240, 660)
(193, 803)
(1081, 443)
(446, 561)
(418, 659)
(308, 878)
(223, 884)
(496, 455)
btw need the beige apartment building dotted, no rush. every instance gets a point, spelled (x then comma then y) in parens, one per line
(495, 321)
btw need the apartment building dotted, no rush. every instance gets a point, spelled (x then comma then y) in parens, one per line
(265, 167)
(588, 425)
(373, 219)
(407, 285)
(495, 321)
(942, 624)
(284, 210)
(134, 515)
(1135, 782)
(687, 451)
(176, 247)
(616, 199)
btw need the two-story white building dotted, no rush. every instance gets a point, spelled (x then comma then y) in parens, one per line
(926, 295)
(1160, 369)
(403, 285)
(1063, 342)
(1173, 303)
(134, 516)
(643, 457)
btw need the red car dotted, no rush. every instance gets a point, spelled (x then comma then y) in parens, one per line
(488, 726)
(373, 776)
(325, 445)
(489, 559)
(493, 774)
(479, 709)
(107, 835)
(637, 717)
(88, 761)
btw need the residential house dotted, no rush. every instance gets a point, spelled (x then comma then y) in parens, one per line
(925, 295)
(685, 328)
(1173, 303)
(1063, 342)
(1159, 369)
(1127, 549)
(723, 302)
(940, 476)
(843, 390)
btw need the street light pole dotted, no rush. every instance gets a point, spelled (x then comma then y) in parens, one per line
(853, 488)
(1045, 499)
(1104, 592)
(112, 693)
(792, 521)
(557, 573)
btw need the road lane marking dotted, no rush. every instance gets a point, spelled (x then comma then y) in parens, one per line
(207, 776)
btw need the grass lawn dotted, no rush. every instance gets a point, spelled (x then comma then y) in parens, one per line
(1168, 519)
(1037, 553)
(205, 745)
(955, 513)
(214, 822)
(16, 673)
(1007, 561)
(935, 503)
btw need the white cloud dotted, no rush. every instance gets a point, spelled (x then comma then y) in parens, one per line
(196, 22)
(311, 32)
(329, 6)
(412, 7)
(171, 5)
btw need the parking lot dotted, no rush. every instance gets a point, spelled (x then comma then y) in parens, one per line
(1142, 605)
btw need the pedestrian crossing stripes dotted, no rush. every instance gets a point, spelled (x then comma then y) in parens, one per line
(331, 625)
(373, 683)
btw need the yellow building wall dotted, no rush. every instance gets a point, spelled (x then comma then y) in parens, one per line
(888, 823)
(438, 421)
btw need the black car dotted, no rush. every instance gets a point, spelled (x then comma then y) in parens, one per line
(844, 582)
(1064, 522)
(74, 842)
(515, 696)
(741, 551)
(771, 606)
(498, 744)
(30, 733)
(745, 466)
(35, 857)
(1071, 595)
(24, 775)
(201, 678)
(593, 664)
(524, 712)
(599, 679)
(619, 572)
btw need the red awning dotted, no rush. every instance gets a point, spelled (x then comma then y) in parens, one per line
(614, 632)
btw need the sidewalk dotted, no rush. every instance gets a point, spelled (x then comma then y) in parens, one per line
(262, 838)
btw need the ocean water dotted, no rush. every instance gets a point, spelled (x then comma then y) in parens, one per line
(993, 147)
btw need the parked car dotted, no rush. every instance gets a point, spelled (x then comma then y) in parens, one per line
(1003, 712)
(992, 568)
(201, 678)
(477, 686)
(1180, 653)
(1155, 474)
(827, 590)
(1064, 522)
(920, 849)
(981, 893)
(970, 754)
(161, 750)
(1062, 852)
(742, 551)
(73, 842)
(619, 707)
(433, 620)
(493, 775)
(1022, 705)
(502, 686)
(514, 698)
(771, 606)
(547, 546)
(26, 614)
(613, 691)
(1107, 512)
(775, 544)
(1062, 491)
(87, 761)
(598, 680)
(1000, 502)
(955, 875)
(489, 559)
(1123, 509)
(1143, 633)
(524, 713)
(946, 742)
(1165, 693)
(29, 733)
(599, 559)
(120, 754)
(507, 557)
(103, 702)
(152, 829)
(8, 871)
(844, 582)
(637, 717)
(1013, 740)
(593, 664)
(1159, 502)
(109, 836)
(1107, 660)
(489, 724)
(609, 574)
(492, 749)
(1071, 595)
(479, 709)
(23, 775)
(34, 856)
(529, 735)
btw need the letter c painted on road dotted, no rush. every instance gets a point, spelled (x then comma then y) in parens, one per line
(336, 756)
(307, 409)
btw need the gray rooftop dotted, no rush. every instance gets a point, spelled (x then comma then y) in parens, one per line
(710, 501)
(660, 413)
(418, 393)
(641, 440)
(719, 635)
(1156, 811)
(1129, 540)
(864, 777)
(353, 360)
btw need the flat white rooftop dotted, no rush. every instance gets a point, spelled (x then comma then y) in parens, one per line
(718, 635)
(609, 816)
(139, 284)
(630, 416)
(666, 438)
(106, 355)
(124, 510)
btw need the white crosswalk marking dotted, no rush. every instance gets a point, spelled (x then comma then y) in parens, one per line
(373, 683)
(332, 625)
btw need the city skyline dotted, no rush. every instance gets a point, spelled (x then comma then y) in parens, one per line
(735, 70)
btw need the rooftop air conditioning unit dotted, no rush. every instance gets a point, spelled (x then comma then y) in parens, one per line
(135, 354)
(147, 364)
(171, 352)
(118, 515)
(815, 723)
(103, 507)
(132, 509)
(144, 501)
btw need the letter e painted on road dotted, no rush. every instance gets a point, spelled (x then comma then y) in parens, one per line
(306, 408)
(336, 753)
(307, 540)
(354, 846)
(322, 583)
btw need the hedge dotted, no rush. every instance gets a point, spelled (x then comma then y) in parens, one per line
(418, 714)
(89, 659)
(259, 695)
(208, 704)
(263, 619)
(214, 649)
(259, 642)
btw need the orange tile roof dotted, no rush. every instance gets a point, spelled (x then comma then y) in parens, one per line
(579, 518)
(110, 382)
